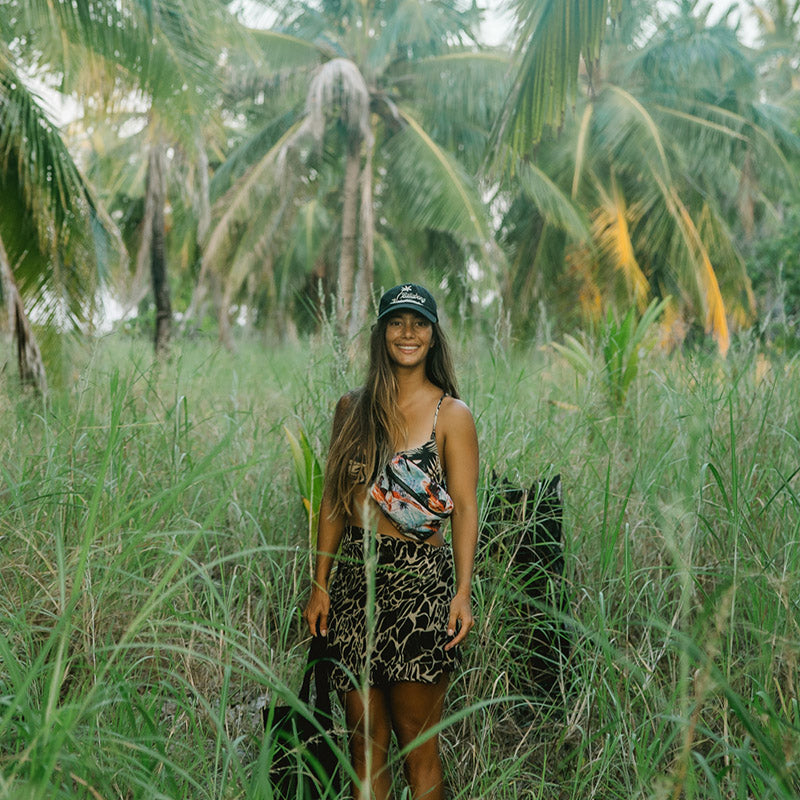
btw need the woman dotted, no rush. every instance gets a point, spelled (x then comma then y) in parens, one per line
(403, 459)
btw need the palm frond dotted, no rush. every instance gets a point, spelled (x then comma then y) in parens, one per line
(581, 148)
(91, 26)
(686, 57)
(246, 195)
(633, 112)
(458, 96)
(612, 235)
(552, 203)
(307, 240)
(555, 36)
(57, 234)
(282, 51)
(249, 150)
(387, 260)
(437, 192)
(707, 284)
(309, 22)
(414, 29)
(165, 48)
(731, 269)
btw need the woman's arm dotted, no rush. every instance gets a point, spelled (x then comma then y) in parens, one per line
(461, 469)
(329, 534)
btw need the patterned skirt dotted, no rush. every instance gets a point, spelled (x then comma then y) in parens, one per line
(390, 600)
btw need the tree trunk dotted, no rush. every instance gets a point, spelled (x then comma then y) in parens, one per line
(203, 205)
(224, 321)
(29, 357)
(746, 196)
(203, 191)
(157, 190)
(137, 288)
(347, 256)
(197, 305)
(366, 262)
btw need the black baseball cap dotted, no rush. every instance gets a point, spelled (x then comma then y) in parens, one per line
(409, 296)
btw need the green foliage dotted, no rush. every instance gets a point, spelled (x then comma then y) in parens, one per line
(59, 240)
(556, 36)
(775, 269)
(622, 346)
(369, 99)
(674, 156)
(309, 480)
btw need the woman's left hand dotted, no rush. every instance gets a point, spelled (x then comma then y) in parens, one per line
(460, 622)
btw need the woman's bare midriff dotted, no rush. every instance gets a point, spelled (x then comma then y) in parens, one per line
(367, 514)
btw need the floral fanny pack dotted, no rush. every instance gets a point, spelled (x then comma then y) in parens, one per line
(415, 502)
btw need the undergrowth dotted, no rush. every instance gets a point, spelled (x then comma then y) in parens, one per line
(155, 561)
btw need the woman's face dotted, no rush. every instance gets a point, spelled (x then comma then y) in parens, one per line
(409, 337)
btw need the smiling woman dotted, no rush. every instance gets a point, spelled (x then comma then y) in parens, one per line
(403, 462)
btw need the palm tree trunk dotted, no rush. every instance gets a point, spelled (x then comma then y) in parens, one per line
(366, 264)
(224, 317)
(746, 197)
(137, 288)
(29, 357)
(203, 204)
(347, 256)
(203, 191)
(157, 190)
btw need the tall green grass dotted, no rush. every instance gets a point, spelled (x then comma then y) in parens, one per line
(155, 560)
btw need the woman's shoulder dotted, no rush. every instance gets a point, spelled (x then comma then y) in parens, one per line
(459, 436)
(455, 412)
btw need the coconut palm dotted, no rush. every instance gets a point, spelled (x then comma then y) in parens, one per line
(363, 161)
(171, 65)
(779, 25)
(55, 240)
(671, 155)
(772, 254)
(157, 57)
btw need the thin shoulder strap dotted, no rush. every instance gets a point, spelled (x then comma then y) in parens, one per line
(436, 415)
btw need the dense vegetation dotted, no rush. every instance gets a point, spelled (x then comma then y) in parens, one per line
(273, 163)
(606, 208)
(155, 558)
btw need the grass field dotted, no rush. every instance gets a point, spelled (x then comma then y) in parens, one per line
(155, 558)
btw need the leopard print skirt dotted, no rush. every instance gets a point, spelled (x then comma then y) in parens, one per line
(405, 627)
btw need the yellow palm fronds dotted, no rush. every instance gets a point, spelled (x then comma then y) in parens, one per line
(611, 233)
(716, 320)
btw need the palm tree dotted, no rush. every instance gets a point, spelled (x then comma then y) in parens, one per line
(771, 252)
(171, 64)
(363, 142)
(659, 160)
(779, 26)
(160, 55)
(55, 240)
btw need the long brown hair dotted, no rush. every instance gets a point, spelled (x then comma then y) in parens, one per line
(367, 423)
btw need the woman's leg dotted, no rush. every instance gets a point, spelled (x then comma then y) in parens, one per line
(417, 707)
(370, 730)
